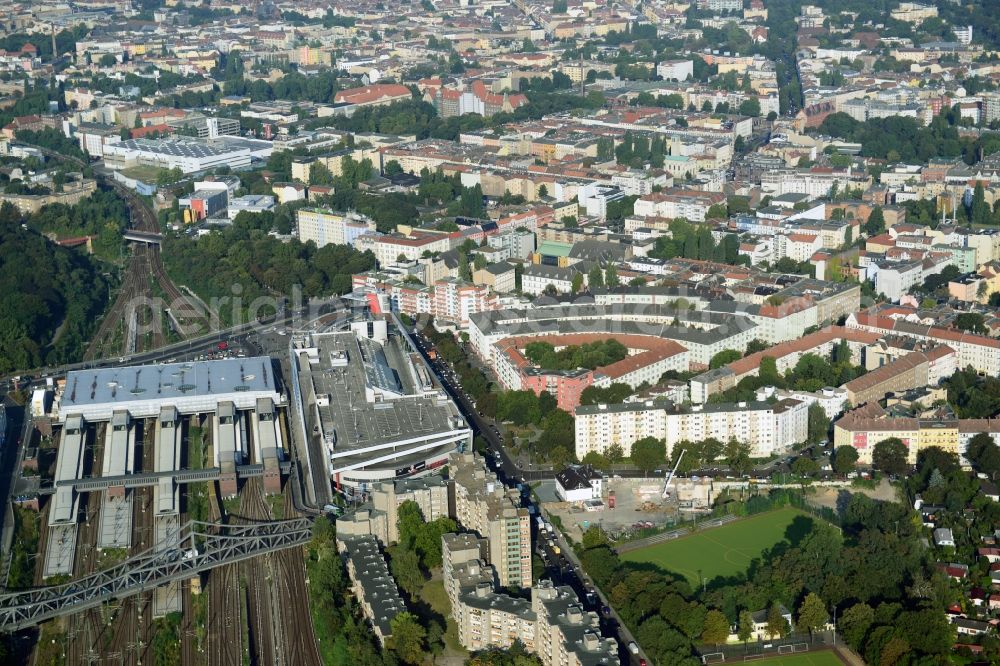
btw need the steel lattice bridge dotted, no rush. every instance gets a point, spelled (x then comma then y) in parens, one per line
(199, 546)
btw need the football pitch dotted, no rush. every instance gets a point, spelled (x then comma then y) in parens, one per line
(824, 658)
(722, 551)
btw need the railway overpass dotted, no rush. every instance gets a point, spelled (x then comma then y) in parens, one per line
(138, 236)
(201, 546)
(94, 483)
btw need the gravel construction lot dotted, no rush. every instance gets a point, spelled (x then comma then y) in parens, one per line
(837, 498)
(630, 495)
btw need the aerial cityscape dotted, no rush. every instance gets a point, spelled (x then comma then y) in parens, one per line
(499, 332)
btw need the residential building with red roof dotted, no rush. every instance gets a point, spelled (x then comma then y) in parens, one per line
(379, 94)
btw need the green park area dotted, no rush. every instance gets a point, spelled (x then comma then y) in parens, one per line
(823, 658)
(726, 550)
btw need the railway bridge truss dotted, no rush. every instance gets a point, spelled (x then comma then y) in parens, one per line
(199, 547)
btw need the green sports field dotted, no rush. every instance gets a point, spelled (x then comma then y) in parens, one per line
(723, 551)
(824, 658)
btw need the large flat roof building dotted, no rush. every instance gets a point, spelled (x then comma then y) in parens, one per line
(188, 155)
(193, 388)
(373, 403)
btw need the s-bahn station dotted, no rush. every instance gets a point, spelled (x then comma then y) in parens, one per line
(125, 428)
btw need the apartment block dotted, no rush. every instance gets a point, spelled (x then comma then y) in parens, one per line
(979, 351)
(379, 516)
(866, 426)
(371, 583)
(485, 618)
(915, 370)
(483, 505)
(767, 428)
(324, 227)
(553, 625)
(566, 634)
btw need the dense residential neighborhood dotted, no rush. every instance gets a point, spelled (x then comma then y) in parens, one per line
(500, 333)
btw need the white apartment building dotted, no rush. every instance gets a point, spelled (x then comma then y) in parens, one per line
(456, 301)
(979, 351)
(816, 185)
(833, 400)
(566, 634)
(895, 279)
(324, 227)
(388, 248)
(678, 70)
(516, 244)
(797, 246)
(595, 197)
(692, 206)
(537, 277)
(766, 428)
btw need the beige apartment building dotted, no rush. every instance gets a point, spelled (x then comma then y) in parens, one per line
(380, 516)
(372, 584)
(485, 618)
(566, 634)
(483, 505)
(552, 625)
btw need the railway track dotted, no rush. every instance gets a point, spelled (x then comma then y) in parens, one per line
(86, 633)
(224, 619)
(293, 594)
(144, 262)
(258, 573)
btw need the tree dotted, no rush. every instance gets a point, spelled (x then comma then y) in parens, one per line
(717, 211)
(405, 568)
(615, 454)
(611, 276)
(777, 625)
(750, 107)
(648, 453)
(542, 191)
(973, 322)
(746, 626)
(724, 357)
(889, 456)
(844, 459)
(595, 277)
(319, 174)
(804, 466)
(410, 521)
(408, 639)
(737, 455)
(392, 168)
(812, 614)
(854, 623)
(577, 282)
(716, 628)
(594, 537)
(979, 212)
(818, 423)
(875, 224)
(984, 454)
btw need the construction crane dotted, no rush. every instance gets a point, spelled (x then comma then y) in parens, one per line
(670, 475)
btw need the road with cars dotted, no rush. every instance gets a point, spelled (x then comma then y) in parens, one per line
(560, 561)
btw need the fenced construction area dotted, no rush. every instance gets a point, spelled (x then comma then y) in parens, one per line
(726, 550)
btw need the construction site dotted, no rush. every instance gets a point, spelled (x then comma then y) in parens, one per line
(630, 505)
